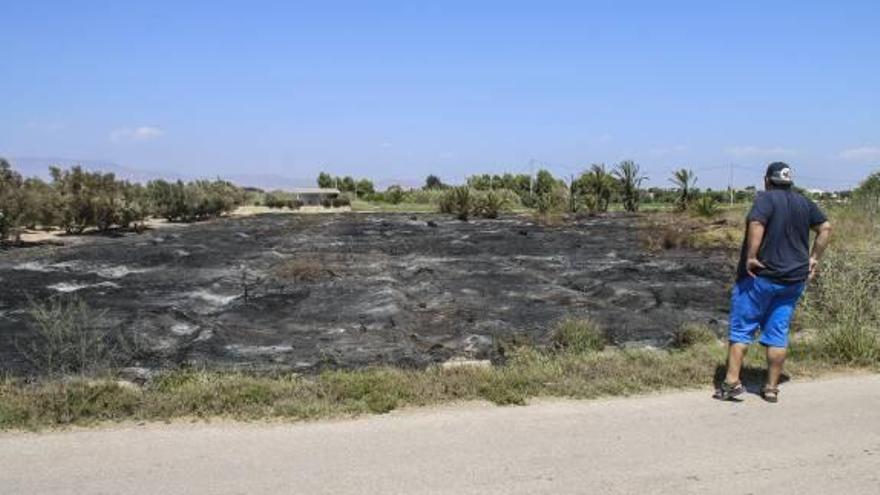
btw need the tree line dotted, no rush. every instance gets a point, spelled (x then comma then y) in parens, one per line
(76, 200)
(594, 190)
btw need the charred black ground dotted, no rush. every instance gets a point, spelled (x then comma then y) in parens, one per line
(348, 290)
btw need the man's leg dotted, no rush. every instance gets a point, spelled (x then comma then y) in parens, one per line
(736, 351)
(745, 316)
(775, 328)
(775, 361)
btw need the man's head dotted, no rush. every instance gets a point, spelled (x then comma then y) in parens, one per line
(778, 176)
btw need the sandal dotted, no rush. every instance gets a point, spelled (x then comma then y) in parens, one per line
(770, 394)
(729, 391)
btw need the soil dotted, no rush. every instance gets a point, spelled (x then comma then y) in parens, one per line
(306, 292)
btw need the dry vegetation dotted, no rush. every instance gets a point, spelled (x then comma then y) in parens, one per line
(668, 230)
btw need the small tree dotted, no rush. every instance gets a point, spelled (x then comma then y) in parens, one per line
(325, 180)
(868, 192)
(365, 188)
(433, 182)
(630, 181)
(595, 187)
(394, 195)
(684, 180)
(11, 201)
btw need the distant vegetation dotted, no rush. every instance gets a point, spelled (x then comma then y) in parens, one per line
(76, 200)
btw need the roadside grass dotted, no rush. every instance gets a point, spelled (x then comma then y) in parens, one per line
(842, 306)
(580, 372)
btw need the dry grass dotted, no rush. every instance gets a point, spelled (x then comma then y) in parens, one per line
(842, 305)
(528, 373)
(667, 230)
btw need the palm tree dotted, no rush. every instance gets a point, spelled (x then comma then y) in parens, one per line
(630, 181)
(684, 180)
(599, 184)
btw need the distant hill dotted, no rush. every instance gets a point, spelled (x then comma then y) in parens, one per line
(39, 167)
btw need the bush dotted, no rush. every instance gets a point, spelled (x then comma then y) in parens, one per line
(275, 200)
(578, 336)
(458, 201)
(691, 334)
(490, 204)
(554, 200)
(842, 305)
(706, 206)
(393, 195)
(69, 339)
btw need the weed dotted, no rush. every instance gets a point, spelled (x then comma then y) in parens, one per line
(578, 336)
(70, 338)
(692, 334)
(706, 206)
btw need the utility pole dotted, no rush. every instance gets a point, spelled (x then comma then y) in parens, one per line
(571, 198)
(730, 183)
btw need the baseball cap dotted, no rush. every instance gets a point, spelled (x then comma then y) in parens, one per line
(779, 173)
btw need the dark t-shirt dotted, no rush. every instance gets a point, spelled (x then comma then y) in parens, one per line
(787, 217)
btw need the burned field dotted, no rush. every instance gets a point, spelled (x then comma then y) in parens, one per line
(307, 292)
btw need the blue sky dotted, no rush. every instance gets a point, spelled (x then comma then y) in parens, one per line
(397, 90)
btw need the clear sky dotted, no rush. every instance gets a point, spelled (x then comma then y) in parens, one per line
(397, 90)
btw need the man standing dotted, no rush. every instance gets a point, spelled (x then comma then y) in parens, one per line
(774, 266)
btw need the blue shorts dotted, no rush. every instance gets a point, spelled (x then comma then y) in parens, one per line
(760, 302)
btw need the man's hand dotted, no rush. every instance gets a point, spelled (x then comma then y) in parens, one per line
(753, 266)
(814, 267)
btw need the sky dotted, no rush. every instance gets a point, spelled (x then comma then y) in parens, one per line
(399, 90)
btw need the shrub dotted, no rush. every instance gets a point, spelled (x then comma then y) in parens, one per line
(276, 199)
(490, 204)
(341, 201)
(458, 201)
(553, 200)
(578, 336)
(706, 206)
(69, 338)
(394, 195)
(691, 334)
(842, 305)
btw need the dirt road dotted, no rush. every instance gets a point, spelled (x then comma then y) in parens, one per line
(824, 437)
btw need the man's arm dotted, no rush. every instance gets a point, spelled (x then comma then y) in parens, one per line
(756, 236)
(823, 235)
